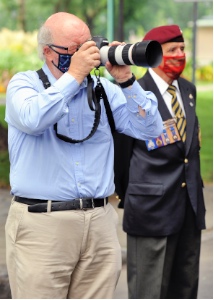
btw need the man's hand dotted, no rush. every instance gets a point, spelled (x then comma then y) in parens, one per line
(84, 60)
(120, 73)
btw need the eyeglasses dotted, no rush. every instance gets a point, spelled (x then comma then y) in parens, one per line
(52, 46)
(60, 47)
(66, 48)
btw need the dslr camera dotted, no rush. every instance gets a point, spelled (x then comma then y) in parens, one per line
(144, 54)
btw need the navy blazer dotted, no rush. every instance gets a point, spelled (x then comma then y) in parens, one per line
(154, 185)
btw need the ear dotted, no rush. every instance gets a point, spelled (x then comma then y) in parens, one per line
(47, 52)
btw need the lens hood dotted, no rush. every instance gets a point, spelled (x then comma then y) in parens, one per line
(147, 54)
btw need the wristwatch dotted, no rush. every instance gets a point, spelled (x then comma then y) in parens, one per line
(128, 82)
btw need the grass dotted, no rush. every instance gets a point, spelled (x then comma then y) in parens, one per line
(4, 158)
(2, 115)
(205, 115)
(4, 169)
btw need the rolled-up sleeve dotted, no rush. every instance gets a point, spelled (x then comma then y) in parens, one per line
(128, 119)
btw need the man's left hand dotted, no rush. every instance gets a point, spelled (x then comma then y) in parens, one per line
(119, 73)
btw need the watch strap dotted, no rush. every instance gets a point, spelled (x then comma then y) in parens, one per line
(128, 82)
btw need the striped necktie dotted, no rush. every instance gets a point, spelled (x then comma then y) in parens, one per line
(181, 120)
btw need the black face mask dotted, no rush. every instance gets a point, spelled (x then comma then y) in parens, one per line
(64, 59)
(64, 62)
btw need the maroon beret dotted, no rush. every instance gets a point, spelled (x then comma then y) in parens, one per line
(165, 34)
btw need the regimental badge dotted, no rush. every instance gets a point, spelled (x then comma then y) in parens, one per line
(150, 144)
(169, 136)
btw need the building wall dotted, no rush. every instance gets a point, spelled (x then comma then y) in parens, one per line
(204, 48)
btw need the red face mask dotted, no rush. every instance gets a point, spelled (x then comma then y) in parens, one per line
(173, 66)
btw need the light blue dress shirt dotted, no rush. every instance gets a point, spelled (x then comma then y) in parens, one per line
(45, 167)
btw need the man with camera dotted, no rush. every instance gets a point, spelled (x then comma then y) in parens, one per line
(161, 184)
(61, 232)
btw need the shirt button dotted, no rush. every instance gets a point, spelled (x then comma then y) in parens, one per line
(186, 160)
(183, 184)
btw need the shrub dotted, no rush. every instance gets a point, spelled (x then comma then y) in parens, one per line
(18, 52)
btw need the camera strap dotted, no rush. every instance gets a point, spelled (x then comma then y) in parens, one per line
(100, 92)
(94, 97)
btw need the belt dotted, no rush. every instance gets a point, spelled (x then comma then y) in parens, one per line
(39, 206)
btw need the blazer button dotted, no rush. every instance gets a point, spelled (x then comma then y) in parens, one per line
(117, 197)
(183, 184)
(186, 160)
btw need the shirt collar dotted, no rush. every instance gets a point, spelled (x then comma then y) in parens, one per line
(161, 84)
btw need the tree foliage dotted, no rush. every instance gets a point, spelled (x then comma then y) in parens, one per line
(20, 20)
(137, 15)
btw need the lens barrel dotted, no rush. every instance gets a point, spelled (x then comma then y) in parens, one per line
(144, 54)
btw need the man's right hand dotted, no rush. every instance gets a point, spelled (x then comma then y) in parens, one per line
(84, 60)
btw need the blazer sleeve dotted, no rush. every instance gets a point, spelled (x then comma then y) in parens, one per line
(123, 145)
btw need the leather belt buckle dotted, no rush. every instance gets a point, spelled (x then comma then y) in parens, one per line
(81, 204)
(81, 201)
(92, 202)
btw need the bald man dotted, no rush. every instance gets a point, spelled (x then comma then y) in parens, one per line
(61, 232)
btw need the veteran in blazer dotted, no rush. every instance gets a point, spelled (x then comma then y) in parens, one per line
(160, 185)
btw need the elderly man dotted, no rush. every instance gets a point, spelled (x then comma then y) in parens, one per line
(164, 210)
(61, 232)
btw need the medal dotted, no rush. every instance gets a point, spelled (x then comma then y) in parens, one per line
(174, 135)
(166, 136)
(169, 136)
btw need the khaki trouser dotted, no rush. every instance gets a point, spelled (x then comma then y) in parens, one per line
(64, 254)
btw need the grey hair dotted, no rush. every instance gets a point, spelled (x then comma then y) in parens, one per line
(44, 37)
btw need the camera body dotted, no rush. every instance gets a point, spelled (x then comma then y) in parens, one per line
(144, 54)
(100, 41)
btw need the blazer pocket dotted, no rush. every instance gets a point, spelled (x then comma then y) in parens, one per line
(145, 189)
(145, 202)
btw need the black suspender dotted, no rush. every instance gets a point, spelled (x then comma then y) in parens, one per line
(44, 78)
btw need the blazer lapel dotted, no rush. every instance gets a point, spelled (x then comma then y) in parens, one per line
(148, 84)
(189, 106)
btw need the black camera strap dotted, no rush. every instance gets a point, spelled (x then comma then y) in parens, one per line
(100, 92)
(94, 97)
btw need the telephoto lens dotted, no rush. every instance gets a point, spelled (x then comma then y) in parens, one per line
(143, 54)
